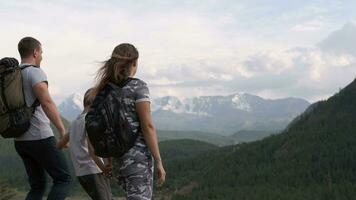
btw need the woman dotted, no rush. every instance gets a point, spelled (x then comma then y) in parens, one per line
(134, 170)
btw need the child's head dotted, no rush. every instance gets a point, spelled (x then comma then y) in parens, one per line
(88, 99)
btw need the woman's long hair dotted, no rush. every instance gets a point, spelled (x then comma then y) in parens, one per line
(117, 68)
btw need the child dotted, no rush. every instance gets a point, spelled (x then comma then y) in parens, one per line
(91, 170)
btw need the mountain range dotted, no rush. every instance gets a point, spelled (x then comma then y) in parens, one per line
(224, 115)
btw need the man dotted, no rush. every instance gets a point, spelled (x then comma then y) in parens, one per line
(37, 147)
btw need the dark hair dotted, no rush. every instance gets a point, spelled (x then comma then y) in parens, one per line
(117, 68)
(88, 98)
(27, 46)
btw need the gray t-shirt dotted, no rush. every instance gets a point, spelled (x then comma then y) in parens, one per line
(40, 124)
(78, 146)
(134, 92)
(138, 160)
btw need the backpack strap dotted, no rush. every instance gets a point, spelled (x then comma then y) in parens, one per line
(25, 66)
(121, 84)
(2, 79)
(125, 82)
(36, 102)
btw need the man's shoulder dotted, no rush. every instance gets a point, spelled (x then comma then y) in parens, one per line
(34, 75)
(32, 68)
(34, 71)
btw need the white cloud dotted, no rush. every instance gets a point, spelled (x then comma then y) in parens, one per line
(204, 49)
(313, 25)
(271, 61)
(342, 41)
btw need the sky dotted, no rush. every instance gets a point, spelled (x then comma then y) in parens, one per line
(271, 48)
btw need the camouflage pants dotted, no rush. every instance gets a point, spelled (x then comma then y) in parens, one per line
(134, 172)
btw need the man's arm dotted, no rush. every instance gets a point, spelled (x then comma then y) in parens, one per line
(63, 143)
(48, 106)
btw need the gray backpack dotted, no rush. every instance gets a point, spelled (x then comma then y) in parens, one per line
(108, 129)
(15, 115)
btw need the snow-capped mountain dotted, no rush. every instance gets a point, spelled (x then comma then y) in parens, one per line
(71, 107)
(225, 114)
(218, 114)
(205, 105)
(210, 105)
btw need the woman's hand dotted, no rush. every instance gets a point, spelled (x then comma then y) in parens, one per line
(161, 173)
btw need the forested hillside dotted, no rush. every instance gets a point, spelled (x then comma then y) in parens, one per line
(314, 159)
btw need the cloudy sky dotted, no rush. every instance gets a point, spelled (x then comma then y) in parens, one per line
(274, 48)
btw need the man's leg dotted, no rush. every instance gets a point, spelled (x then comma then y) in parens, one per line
(54, 162)
(35, 172)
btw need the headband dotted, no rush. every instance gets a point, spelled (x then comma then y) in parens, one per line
(114, 55)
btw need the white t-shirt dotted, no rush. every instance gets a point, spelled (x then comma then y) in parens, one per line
(40, 124)
(78, 146)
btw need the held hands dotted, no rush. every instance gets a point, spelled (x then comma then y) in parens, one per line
(161, 173)
(108, 167)
(63, 142)
(107, 171)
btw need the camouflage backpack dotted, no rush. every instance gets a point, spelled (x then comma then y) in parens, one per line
(108, 129)
(15, 115)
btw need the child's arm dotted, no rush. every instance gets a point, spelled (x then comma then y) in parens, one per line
(108, 162)
(96, 159)
(63, 142)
